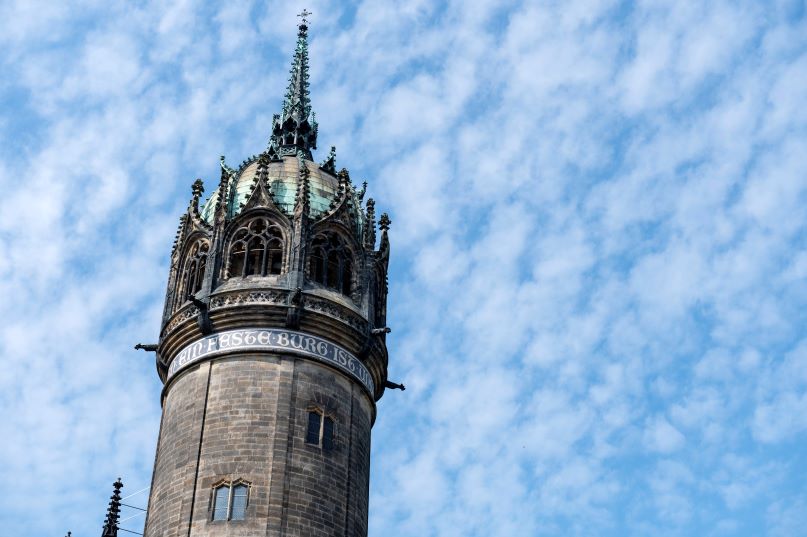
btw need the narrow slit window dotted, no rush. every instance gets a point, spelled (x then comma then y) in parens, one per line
(312, 436)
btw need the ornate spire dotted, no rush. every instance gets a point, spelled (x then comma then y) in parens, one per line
(297, 102)
(296, 127)
(113, 513)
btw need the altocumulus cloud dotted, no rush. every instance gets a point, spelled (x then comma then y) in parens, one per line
(598, 287)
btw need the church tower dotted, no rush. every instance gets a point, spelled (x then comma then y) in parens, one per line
(272, 349)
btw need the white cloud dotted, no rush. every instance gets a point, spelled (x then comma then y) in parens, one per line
(662, 437)
(598, 247)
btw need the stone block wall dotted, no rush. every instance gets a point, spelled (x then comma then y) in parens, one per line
(244, 417)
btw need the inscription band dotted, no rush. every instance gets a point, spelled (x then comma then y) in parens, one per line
(273, 339)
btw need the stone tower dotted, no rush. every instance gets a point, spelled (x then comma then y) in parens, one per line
(272, 349)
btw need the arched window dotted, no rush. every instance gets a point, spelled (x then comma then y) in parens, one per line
(331, 264)
(221, 502)
(230, 501)
(320, 430)
(194, 270)
(256, 249)
(238, 509)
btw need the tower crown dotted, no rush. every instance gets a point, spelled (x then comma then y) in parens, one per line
(283, 228)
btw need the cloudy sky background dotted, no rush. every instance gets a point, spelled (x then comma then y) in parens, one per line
(598, 276)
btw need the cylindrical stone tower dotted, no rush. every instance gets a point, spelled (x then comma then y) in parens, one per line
(272, 349)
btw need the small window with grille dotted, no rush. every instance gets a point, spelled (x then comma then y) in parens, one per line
(230, 501)
(320, 430)
(221, 502)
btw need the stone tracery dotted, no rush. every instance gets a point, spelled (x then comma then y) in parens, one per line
(256, 249)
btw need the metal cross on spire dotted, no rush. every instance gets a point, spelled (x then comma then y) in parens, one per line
(304, 14)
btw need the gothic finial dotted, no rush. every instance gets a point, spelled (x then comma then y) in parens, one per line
(197, 189)
(369, 235)
(113, 513)
(329, 164)
(384, 222)
(363, 191)
(222, 205)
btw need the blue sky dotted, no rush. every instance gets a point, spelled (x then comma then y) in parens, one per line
(598, 268)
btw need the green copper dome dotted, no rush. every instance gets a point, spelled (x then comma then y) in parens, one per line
(283, 176)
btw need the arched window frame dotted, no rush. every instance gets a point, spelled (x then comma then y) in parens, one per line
(255, 248)
(320, 429)
(332, 263)
(193, 269)
(229, 493)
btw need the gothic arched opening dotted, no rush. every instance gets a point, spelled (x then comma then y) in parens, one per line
(256, 249)
(331, 263)
(194, 269)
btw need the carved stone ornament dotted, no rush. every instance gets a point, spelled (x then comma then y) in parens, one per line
(277, 298)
